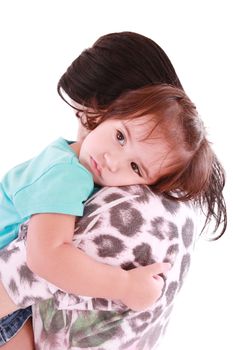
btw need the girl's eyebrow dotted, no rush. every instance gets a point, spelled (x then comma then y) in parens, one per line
(128, 135)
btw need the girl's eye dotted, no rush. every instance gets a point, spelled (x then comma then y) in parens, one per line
(136, 169)
(120, 137)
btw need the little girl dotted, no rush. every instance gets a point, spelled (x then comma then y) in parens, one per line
(148, 136)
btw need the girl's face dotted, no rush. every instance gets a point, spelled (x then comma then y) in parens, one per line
(117, 154)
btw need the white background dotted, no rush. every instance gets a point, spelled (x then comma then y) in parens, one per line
(39, 39)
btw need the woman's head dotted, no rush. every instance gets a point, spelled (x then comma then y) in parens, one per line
(116, 63)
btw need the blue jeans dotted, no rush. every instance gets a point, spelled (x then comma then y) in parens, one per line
(12, 323)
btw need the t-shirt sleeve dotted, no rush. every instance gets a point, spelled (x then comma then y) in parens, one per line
(61, 189)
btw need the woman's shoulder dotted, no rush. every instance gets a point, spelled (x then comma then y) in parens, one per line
(132, 225)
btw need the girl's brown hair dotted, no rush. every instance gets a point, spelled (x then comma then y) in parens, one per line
(198, 175)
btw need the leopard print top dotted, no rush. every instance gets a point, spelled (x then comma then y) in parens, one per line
(127, 227)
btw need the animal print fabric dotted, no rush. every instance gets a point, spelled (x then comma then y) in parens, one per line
(127, 227)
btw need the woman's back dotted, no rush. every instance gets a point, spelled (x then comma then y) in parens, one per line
(128, 226)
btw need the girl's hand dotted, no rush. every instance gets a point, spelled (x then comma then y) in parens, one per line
(144, 286)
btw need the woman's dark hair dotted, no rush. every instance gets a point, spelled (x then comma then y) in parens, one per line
(116, 63)
(120, 62)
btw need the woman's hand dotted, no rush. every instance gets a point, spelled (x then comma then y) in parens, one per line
(144, 286)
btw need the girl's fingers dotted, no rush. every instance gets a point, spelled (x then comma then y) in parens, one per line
(158, 268)
(159, 280)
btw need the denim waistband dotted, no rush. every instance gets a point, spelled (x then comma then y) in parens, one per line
(12, 323)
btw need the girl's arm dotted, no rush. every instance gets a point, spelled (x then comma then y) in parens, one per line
(51, 255)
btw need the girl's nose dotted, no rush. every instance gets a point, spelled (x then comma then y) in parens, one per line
(111, 162)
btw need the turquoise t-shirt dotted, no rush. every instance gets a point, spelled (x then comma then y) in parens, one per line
(52, 182)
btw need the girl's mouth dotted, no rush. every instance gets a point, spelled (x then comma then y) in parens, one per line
(95, 167)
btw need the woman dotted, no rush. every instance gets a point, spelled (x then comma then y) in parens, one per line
(116, 63)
